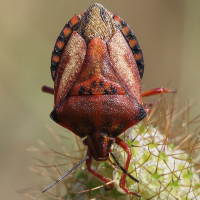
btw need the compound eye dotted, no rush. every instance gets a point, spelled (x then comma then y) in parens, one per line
(85, 142)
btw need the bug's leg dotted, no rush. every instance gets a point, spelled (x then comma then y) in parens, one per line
(147, 110)
(88, 165)
(47, 89)
(155, 91)
(127, 149)
(149, 105)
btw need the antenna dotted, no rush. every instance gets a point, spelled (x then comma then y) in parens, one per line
(124, 169)
(66, 174)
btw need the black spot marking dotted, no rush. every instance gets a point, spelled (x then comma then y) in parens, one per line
(53, 116)
(120, 128)
(93, 84)
(61, 36)
(76, 26)
(137, 50)
(105, 91)
(123, 23)
(81, 90)
(113, 89)
(131, 36)
(140, 63)
(89, 92)
(142, 113)
(101, 84)
(53, 69)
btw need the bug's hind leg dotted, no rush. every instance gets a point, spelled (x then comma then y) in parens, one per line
(155, 91)
(127, 149)
(47, 89)
(88, 165)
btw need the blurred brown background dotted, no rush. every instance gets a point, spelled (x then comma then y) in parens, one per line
(168, 33)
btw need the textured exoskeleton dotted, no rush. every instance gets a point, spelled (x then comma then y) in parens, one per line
(97, 67)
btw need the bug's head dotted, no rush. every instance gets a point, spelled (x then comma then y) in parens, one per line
(99, 145)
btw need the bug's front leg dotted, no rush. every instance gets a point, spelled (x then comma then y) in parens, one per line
(88, 165)
(155, 91)
(47, 89)
(127, 149)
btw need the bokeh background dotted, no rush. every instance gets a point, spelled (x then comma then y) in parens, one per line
(168, 33)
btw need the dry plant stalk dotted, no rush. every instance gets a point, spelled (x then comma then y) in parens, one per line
(165, 160)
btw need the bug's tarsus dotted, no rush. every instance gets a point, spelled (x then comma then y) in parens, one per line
(138, 195)
(156, 91)
(124, 169)
(64, 175)
(88, 165)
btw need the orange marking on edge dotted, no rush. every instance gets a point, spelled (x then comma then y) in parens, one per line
(82, 13)
(140, 70)
(133, 42)
(138, 56)
(60, 44)
(74, 20)
(117, 18)
(125, 30)
(67, 31)
(56, 58)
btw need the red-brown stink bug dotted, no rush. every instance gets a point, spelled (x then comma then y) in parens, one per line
(97, 67)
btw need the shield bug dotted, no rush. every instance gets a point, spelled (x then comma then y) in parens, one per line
(97, 66)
